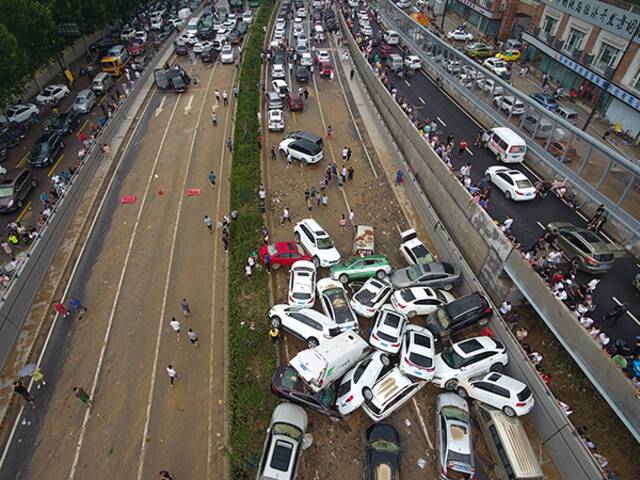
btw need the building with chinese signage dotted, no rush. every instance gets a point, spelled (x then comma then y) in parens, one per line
(592, 46)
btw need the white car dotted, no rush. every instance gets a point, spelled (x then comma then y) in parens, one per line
(514, 184)
(298, 30)
(297, 20)
(306, 60)
(227, 55)
(335, 304)
(189, 38)
(511, 396)
(387, 331)
(366, 30)
(276, 120)
(497, 66)
(247, 17)
(302, 284)
(20, 113)
(230, 24)
(412, 248)
(317, 242)
(176, 22)
(278, 34)
(389, 393)
(323, 56)
(53, 94)
(417, 355)
(141, 35)
(489, 85)
(277, 71)
(468, 358)
(509, 104)
(371, 296)
(305, 323)
(281, 87)
(419, 300)
(202, 46)
(156, 24)
(412, 62)
(459, 35)
(454, 67)
(360, 378)
(127, 34)
(301, 12)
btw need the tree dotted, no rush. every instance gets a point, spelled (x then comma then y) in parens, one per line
(13, 66)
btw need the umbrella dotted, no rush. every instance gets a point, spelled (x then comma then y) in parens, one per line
(27, 370)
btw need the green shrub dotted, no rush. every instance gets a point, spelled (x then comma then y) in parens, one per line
(251, 355)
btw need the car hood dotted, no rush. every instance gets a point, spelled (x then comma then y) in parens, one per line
(383, 466)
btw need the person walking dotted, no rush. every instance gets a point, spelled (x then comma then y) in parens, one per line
(325, 200)
(225, 98)
(352, 216)
(225, 241)
(343, 221)
(286, 215)
(82, 395)
(289, 160)
(545, 80)
(230, 144)
(212, 178)
(208, 223)
(399, 175)
(352, 74)
(61, 309)
(77, 306)
(478, 140)
(185, 307)
(259, 140)
(193, 337)
(616, 314)
(164, 475)
(172, 374)
(274, 334)
(176, 325)
(214, 118)
(345, 152)
(217, 93)
(21, 390)
(462, 146)
(7, 248)
(273, 153)
(351, 171)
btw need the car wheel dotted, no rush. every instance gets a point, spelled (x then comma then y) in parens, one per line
(384, 359)
(507, 194)
(497, 367)
(462, 392)
(509, 412)
(412, 314)
(275, 266)
(275, 322)
(451, 385)
(344, 278)
(316, 262)
(367, 393)
(312, 342)
(380, 274)
(296, 235)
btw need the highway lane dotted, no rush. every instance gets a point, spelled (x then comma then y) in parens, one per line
(528, 216)
(141, 260)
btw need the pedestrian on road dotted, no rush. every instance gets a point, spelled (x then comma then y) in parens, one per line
(172, 374)
(217, 93)
(273, 153)
(193, 338)
(289, 160)
(212, 178)
(82, 395)
(248, 271)
(208, 223)
(343, 221)
(7, 248)
(235, 91)
(267, 263)
(616, 314)
(21, 390)
(214, 119)
(399, 175)
(329, 131)
(349, 152)
(61, 309)
(185, 307)
(352, 74)
(225, 98)
(478, 141)
(352, 216)
(286, 215)
(274, 334)
(176, 325)
(351, 172)
(225, 241)
(76, 305)
(343, 173)
(345, 152)
(462, 146)
(259, 140)
(545, 80)
(306, 94)
(164, 475)
(230, 144)
(325, 200)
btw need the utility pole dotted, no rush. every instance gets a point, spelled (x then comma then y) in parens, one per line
(608, 82)
(444, 14)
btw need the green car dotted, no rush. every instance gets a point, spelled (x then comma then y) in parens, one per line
(361, 268)
(479, 50)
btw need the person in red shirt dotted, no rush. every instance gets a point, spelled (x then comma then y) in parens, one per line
(461, 148)
(61, 309)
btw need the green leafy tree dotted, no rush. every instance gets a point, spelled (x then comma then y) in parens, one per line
(13, 66)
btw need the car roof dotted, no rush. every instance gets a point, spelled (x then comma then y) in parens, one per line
(389, 385)
(423, 292)
(471, 346)
(502, 380)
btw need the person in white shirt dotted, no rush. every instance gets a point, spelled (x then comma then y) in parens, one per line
(505, 307)
(506, 225)
(603, 339)
(535, 358)
(586, 322)
(176, 325)
(172, 374)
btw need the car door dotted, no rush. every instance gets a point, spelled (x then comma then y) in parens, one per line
(499, 396)
(22, 186)
(308, 239)
(427, 305)
(504, 182)
(481, 391)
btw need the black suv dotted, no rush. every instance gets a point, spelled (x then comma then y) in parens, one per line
(63, 123)
(459, 314)
(45, 149)
(302, 135)
(14, 188)
(288, 385)
(302, 74)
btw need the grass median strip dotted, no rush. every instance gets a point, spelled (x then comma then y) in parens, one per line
(251, 355)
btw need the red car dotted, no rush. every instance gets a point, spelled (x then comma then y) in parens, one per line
(136, 47)
(326, 69)
(294, 102)
(385, 50)
(283, 253)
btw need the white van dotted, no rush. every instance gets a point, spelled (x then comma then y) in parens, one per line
(101, 83)
(192, 26)
(507, 145)
(394, 61)
(326, 363)
(318, 32)
(568, 114)
(509, 445)
(391, 37)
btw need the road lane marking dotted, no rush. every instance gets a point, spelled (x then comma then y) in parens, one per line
(408, 84)
(160, 107)
(82, 127)
(116, 299)
(423, 102)
(187, 109)
(633, 317)
(167, 281)
(24, 210)
(23, 160)
(468, 151)
(540, 225)
(53, 168)
(441, 121)
(422, 423)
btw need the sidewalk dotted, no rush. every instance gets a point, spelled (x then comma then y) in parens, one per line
(533, 84)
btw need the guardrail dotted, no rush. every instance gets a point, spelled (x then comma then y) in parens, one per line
(479, 248)
(17, 298)
(434, 52)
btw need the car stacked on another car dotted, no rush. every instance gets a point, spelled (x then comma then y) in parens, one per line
(371, 296)
(412, 248)
(305, 323)
(335, 304)
(52, 94)
(387, 331)
(459, 314)
(302, 284)
(419, 300)
(360, 378)
(498, 391)
(434, 274)
(361, 267)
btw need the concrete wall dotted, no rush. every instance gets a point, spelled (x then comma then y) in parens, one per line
(465, 234)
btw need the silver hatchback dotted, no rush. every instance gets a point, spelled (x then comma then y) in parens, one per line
(85, 101)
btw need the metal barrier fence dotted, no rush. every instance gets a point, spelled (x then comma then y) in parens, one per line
(600, 174)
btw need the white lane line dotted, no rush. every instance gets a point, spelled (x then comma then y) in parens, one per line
(187, 109)
(540, 225)
(468, 151)
(116, 299)
(423, 102)
(73, 272)
(633, 317)
(160, 107)
(408, 84)
(441, 121)
(422, 423)
(167, 281)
